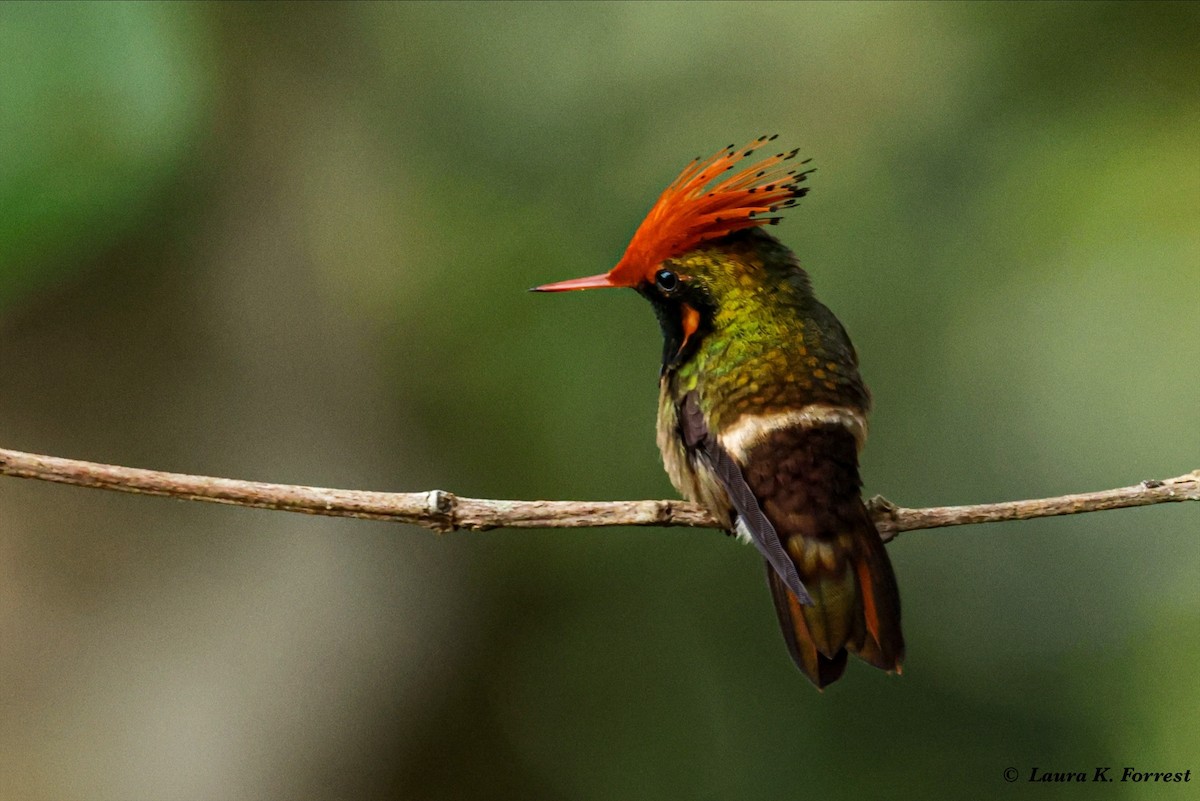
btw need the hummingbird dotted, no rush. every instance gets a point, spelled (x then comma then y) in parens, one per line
(762, 411)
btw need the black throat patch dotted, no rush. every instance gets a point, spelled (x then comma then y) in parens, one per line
(678, 345)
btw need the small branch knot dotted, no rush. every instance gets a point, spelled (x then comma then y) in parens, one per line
(440, 509)
(884, 513)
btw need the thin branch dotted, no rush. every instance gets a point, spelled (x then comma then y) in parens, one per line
(444, 511)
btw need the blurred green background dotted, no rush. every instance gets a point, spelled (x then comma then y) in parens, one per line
(292, 243)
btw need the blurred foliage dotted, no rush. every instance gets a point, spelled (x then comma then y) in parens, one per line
(291, 242)
(101, 106)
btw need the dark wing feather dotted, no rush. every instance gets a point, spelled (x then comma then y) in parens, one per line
(699, 439)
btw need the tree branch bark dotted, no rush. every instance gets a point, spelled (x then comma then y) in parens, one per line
(443, 511)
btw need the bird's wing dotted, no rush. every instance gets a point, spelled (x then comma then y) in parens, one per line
(699, 440)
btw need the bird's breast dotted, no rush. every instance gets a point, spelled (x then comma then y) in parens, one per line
(691, 475)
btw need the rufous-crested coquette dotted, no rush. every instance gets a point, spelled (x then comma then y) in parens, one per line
(761, 409)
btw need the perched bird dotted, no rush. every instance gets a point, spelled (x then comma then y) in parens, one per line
(761, 410)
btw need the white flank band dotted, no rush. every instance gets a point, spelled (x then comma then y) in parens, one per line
(752, 430)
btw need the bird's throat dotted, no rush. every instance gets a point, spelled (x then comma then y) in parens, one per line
(684, 322)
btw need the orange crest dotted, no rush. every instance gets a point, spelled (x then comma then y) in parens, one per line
(690, 212)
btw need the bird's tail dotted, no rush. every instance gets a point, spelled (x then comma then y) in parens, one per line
(856, 606)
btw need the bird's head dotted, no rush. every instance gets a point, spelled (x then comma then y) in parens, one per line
(700, 251)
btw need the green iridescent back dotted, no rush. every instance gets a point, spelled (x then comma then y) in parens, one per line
(770, 345)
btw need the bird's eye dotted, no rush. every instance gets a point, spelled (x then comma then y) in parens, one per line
(666, 280)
